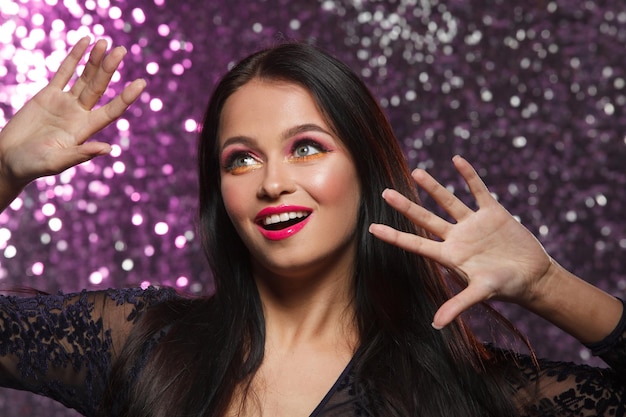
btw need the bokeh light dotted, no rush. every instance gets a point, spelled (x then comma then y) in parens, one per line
(533, 93)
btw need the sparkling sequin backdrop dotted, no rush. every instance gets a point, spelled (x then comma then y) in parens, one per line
(531, 92)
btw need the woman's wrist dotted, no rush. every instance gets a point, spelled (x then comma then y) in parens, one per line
(582, 310)
(544, 288)
(10, 188)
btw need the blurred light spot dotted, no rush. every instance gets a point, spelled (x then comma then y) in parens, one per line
(519, 141)
(96, 278)
(16, 204)
(115, 12)
(10, 252)
(116, 151)
(128, 264)
(180, 242)
(119, 167)
(48, 209)
(37, 268)
(45, 238)
(161, 228)
(123, 125)
(5, 235)
(156, 104)
(152, 68)
(178, 69)
(137, 219)
(55, 224)
(191, 125)
(139, 16)
(163, 30)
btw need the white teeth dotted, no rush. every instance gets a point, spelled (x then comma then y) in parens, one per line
(283, 217)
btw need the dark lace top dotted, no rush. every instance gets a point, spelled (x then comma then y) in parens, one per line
(62, 346)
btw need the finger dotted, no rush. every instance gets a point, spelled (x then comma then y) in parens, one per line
(98, 83)
(444, 198)
(65, 158)
(93, 63)
(407, 241)
(116, 107)
(68, 65)
(451, 309)
(416, 213)
(474, 182)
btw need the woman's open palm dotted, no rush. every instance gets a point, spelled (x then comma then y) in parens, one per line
(48, 135)
(498, 257)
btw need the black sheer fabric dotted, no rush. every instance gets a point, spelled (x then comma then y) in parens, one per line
(62, 346)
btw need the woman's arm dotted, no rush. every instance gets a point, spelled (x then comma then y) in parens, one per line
(499, 258)
(49, 134)
(63, 345)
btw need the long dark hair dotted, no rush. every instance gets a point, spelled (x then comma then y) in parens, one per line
(212, 347)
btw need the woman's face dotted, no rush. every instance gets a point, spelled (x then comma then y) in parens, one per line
(288, 184)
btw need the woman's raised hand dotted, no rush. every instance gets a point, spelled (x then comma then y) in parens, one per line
(48, 135)
(498, 257)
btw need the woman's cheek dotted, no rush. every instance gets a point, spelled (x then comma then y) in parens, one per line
(233, 198)
(333, 184)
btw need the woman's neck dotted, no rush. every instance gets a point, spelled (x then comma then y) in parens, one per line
(303, 310)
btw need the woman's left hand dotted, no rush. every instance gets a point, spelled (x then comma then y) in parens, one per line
(498, 257)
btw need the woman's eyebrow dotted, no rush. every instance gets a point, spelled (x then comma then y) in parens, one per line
(244, 140)
(292, 131)
(307, 127)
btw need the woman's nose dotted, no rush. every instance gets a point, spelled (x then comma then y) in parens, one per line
(277, 180)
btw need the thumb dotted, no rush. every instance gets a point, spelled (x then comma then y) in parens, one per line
(69, 157)
(461, 302)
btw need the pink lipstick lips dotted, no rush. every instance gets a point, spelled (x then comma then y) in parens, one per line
(277, 223)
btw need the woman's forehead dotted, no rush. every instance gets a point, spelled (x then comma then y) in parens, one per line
(269, 105)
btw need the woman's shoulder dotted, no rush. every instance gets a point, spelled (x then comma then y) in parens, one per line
(153, 298)
(137, 295)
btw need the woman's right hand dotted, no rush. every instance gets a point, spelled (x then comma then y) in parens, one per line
(49, 134)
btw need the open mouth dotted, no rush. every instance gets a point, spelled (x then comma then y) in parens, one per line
(283, 220)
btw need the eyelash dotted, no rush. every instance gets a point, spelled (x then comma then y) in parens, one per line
(229, 163)
(321, 149)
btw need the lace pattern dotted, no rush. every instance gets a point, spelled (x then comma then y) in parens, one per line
(62, 346)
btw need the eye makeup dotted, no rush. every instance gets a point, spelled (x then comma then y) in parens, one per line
(306, 149)
(303, 144)
(238, 161)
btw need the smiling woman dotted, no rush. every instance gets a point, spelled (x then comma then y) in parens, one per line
(331, 299)
(293, 165)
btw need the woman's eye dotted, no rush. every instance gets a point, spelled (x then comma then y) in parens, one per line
(241, 162)
(307, 149)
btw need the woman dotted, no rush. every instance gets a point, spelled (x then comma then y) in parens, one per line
(312, 315)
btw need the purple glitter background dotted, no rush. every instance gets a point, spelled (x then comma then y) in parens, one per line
(532, 93)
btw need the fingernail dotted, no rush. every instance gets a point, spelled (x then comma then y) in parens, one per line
(435, 326)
